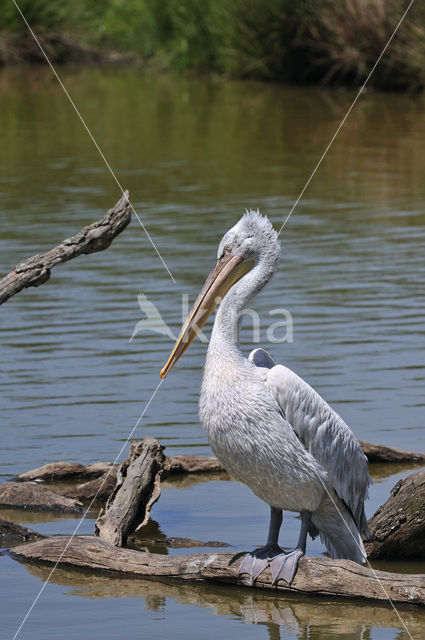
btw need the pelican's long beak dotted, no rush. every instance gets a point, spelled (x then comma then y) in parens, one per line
(227, 271)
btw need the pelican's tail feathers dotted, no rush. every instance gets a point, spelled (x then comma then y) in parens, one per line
(338, 531)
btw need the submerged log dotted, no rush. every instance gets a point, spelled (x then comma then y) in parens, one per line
(99, 489)
(175, 543)
(30, 495)
(138, 488)
(315, 576)
(398, 526)
(11, 533)
(193, 464)
(62, 470)
(381, 453)
(98, 236)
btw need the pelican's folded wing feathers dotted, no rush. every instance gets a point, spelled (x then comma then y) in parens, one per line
(323, 433)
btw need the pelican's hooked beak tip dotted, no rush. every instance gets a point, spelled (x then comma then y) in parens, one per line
(162, 374)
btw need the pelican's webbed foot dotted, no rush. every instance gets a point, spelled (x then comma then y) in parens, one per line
(284, 566)
(256, 561)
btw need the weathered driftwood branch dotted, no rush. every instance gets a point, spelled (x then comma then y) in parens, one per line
(30, 495)
(100, 488)
(315, 576)
(193, 464)
(11, 533)
(138, 488)
(398, 527)
(62, 470)
(381, 453)
(304, 617)
(175, 543)
(96, 237)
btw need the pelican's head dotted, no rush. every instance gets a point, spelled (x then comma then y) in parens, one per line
(250, 242)
(253, 238)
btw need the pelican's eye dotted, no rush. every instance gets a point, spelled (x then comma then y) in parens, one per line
(228, 249)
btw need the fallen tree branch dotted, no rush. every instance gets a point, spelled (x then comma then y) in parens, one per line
(193, 464)
(315, 576)
(96, 237)
(11, 533)
(381, 453)
(62, 470)
(303, 617)
(100, 488)
(398, 526)
(138, 488)
(173, 543)
(30, 495)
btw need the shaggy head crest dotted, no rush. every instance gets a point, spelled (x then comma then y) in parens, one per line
(252, 222)
(252, 237)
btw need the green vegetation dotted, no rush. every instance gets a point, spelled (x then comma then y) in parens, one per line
(330, 41)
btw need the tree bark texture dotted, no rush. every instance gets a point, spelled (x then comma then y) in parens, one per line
(11, 533)
(398, 526)
(381, 453)
(315, 576)
(138, 488)
(62, 470)
(30, 495)
(99, 489)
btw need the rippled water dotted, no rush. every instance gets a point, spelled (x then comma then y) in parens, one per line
(194, 155)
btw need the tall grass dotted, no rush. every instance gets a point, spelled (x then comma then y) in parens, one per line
(344, 39)
(329, 41)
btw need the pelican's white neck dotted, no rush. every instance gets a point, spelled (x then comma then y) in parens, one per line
(227, 322)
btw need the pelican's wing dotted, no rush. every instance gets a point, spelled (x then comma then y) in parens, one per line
(323, 433)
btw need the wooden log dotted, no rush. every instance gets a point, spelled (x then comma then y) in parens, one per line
(129, 506)
(175, 543)
(315, 576)
(11, 533)
(98, 236)
(398, 526)
(193, 464)
(100, 488)
(30, 495)
(304, 617)
(60, 470)
(381, 453)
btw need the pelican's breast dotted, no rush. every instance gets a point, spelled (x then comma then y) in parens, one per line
(253, 441)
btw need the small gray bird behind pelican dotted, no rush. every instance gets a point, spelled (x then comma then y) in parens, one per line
(265, 424)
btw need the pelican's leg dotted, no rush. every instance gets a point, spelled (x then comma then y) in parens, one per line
(255, 562)
(285, 565)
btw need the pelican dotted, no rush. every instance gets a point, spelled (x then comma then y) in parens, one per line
(266, 425)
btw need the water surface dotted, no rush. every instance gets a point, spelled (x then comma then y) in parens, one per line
(194, 155)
